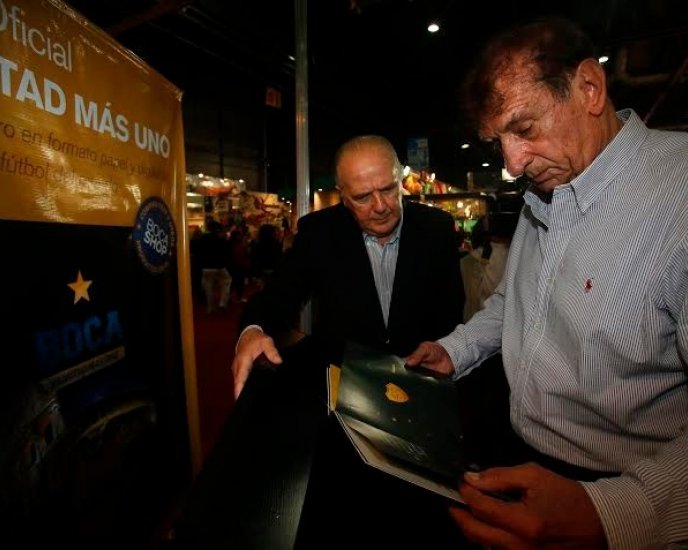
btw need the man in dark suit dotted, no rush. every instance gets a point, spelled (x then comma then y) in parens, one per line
(381, 273)
(377, 272)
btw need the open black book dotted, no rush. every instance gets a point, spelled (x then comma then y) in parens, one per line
(400, 420)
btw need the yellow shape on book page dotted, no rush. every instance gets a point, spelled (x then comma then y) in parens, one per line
(395, 393)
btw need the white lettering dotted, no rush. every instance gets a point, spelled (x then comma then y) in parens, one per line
(156, 237)
(37, 40)
(152, 141)
(100, 122)
(49, 96)
(5, 76)
(28, 89)
(50, 90)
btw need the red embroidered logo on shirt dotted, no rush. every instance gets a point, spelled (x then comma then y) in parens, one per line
(588, 285)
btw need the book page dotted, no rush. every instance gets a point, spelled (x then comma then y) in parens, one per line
(397, 442)
(407, 414)
(373, 457)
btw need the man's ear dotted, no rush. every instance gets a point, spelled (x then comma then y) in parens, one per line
(591, 82)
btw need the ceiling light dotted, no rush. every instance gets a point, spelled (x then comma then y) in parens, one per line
(603, 59)
(433, 27)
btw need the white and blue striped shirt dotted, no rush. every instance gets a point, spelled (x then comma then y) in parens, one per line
(591, 317)
(383, 260)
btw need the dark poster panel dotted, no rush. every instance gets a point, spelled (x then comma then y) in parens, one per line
(93, 433)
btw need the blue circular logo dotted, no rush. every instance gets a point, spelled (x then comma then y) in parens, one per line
(154, 235)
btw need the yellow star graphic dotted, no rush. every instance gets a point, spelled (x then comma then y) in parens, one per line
(80, 288)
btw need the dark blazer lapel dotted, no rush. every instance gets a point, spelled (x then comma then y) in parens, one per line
(411, 245)
(354, 251)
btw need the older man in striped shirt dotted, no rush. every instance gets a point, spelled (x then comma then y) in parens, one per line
(591, 315)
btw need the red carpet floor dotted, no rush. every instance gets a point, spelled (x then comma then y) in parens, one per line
(215, 336)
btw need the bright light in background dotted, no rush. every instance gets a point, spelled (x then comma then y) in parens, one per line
(465, 145)
(433, 27)
(486, 164)
(603, 59)
(406, 171)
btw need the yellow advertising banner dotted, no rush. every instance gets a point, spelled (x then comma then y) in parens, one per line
(98, 404)
(87, 129)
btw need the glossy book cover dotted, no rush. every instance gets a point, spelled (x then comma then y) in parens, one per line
(393, 412)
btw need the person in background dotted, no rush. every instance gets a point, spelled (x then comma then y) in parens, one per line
(287, 235)
(240, 261)
(266, 252)
(196, 284)
(473, 269)
(374, 268)
(483, 267)
(591, 316)
(212, 253)
(502, 227)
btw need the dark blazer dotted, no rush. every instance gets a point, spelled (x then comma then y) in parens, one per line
(328, 263)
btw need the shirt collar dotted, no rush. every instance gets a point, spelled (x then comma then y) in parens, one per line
(589, 185)
(621, 150)
(395, 234)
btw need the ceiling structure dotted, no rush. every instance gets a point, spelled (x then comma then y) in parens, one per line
(372, 65)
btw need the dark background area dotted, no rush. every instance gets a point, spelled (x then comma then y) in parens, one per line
(372, 67)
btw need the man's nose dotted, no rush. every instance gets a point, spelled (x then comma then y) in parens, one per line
(515, 157)
(378, 203)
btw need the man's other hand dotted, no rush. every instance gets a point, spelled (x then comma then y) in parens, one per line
(551, 511)
(431, 356)
(252, 342)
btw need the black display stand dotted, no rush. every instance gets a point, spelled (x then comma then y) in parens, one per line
(283, 475)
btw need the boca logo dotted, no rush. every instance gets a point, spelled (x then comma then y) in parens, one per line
(75, 341)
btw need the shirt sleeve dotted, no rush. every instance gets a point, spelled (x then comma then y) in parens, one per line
(647, 506)
(480, 338)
